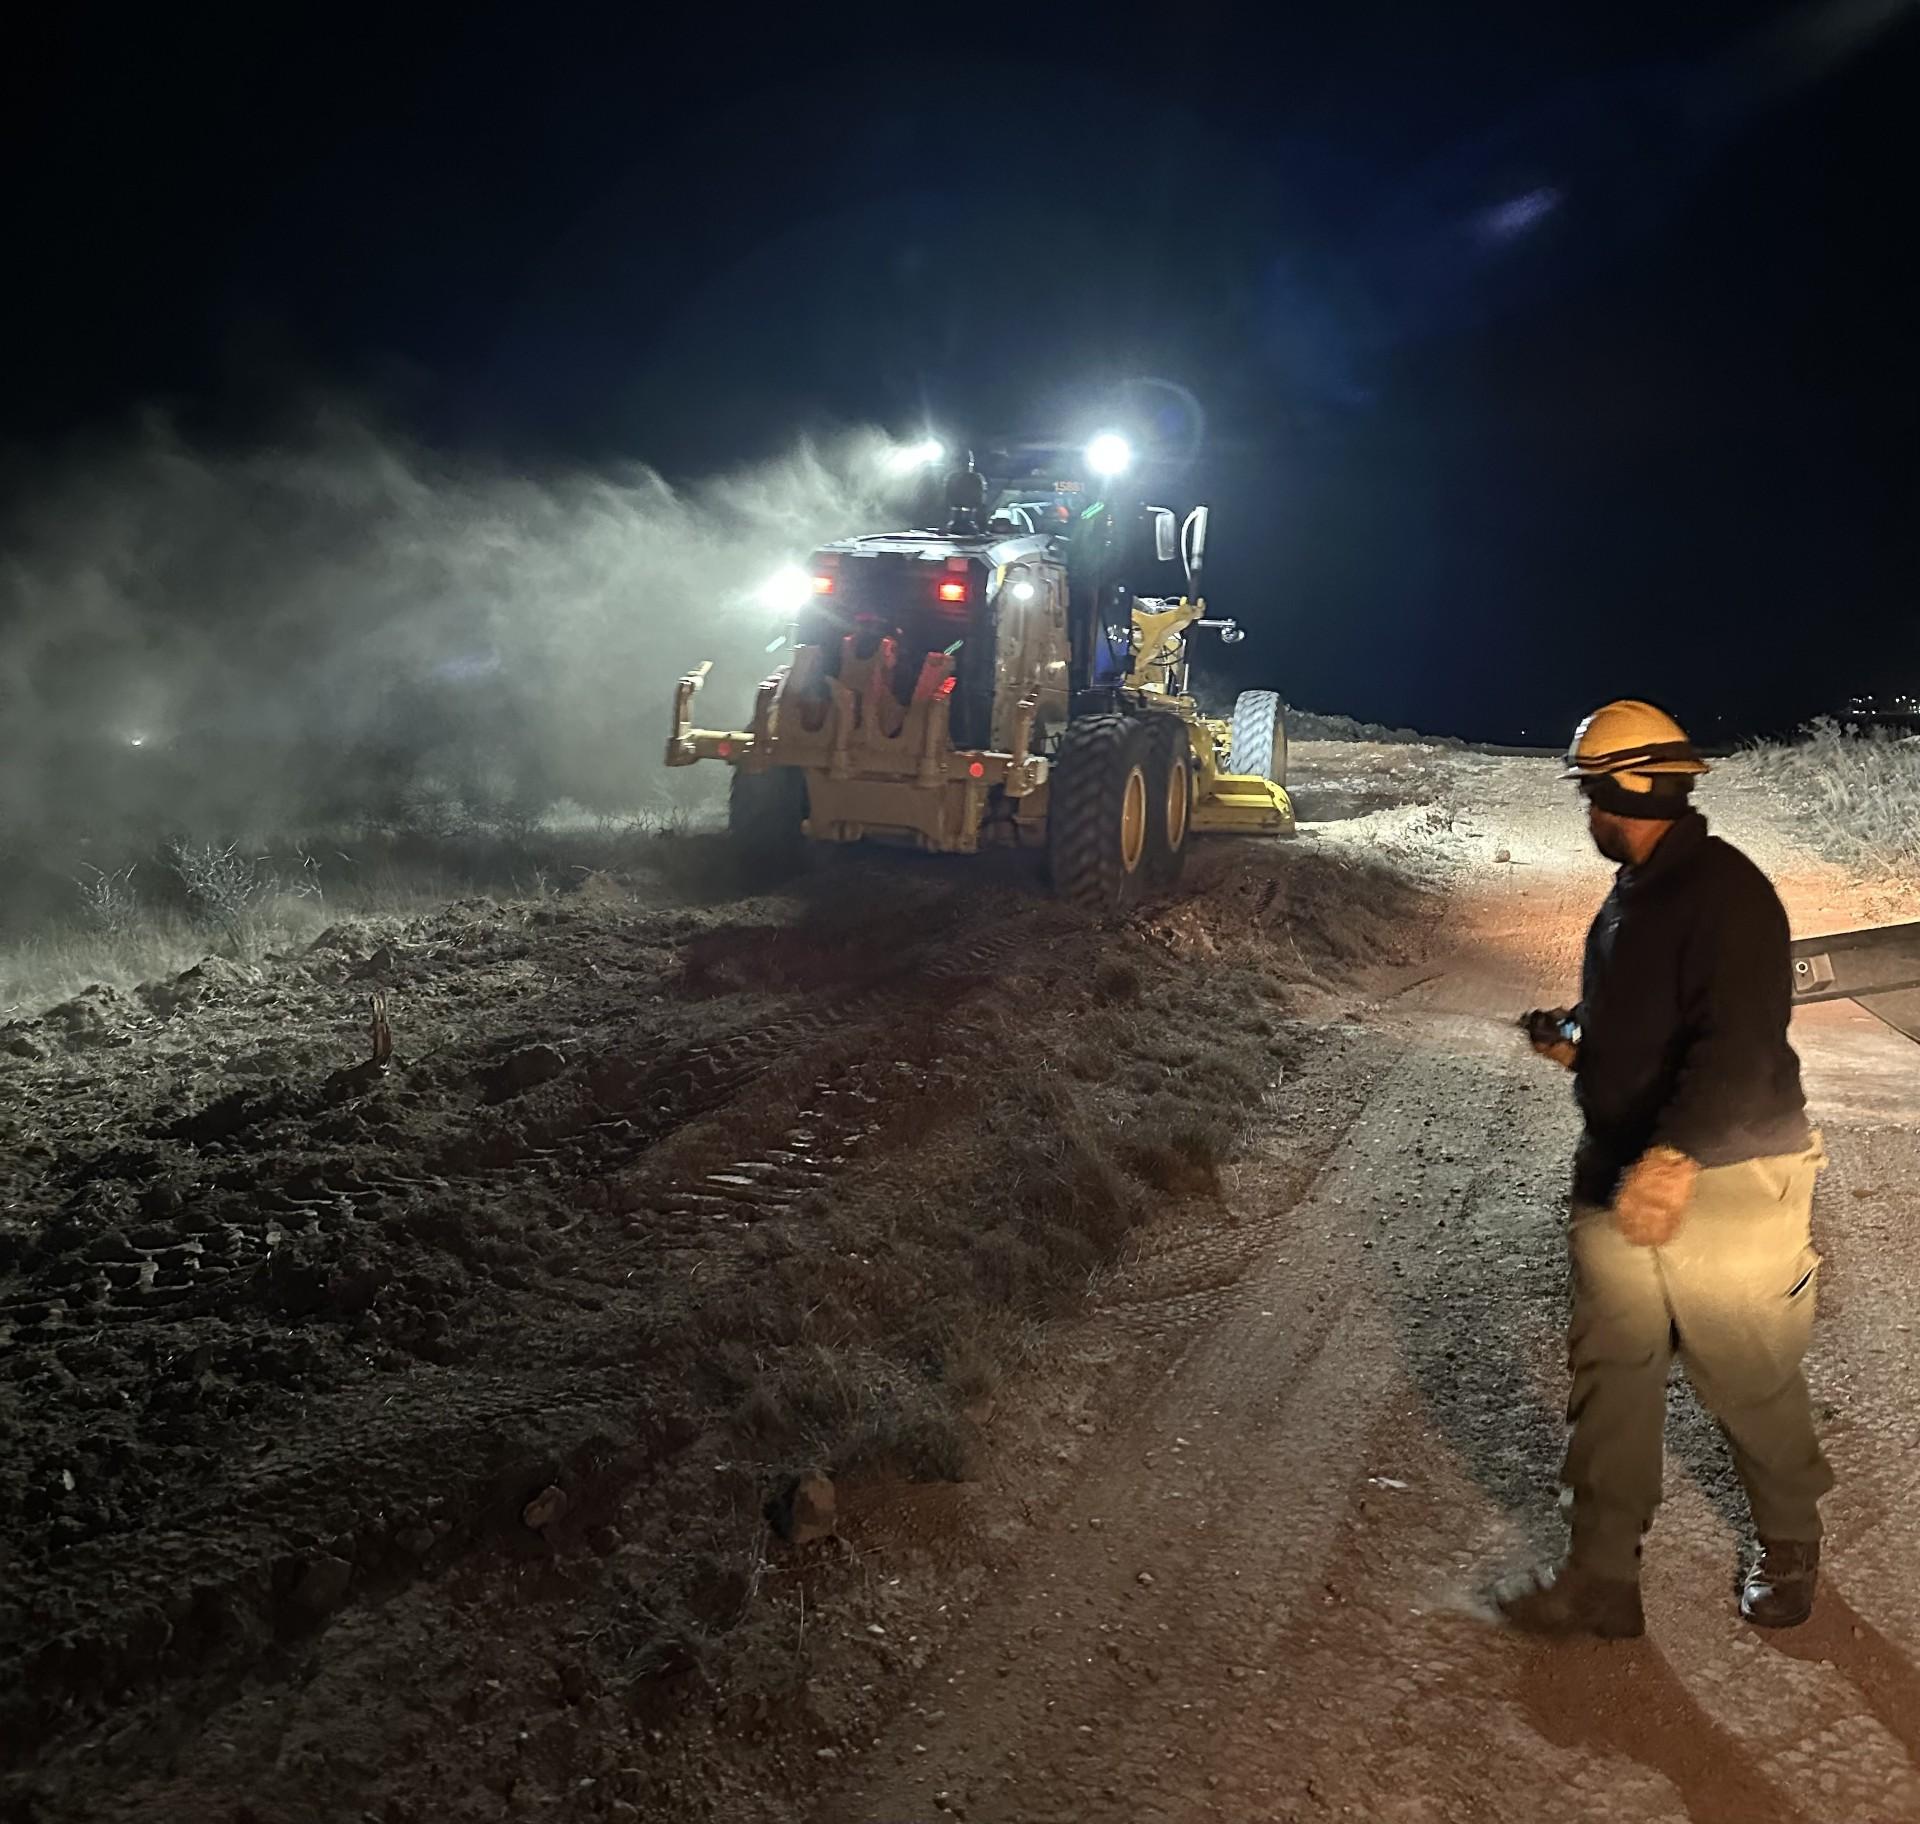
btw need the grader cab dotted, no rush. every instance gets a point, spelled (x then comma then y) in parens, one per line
(999, 680)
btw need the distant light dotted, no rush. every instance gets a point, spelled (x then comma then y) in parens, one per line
(787, 591)
(1109, 454)
(976, 770)
(1023, 592)
(136, 740)
(923, 455)
(1509, 220)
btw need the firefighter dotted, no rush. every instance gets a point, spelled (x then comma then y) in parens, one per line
(1692, 1191)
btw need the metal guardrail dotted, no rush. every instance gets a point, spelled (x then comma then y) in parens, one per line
(1878, 967)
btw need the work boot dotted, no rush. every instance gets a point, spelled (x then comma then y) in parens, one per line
(1779, 1588)
(1567, 1599)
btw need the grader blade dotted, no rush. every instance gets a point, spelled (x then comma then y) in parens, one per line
(1239, 802)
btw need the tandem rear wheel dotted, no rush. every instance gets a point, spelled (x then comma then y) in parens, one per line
(1119, 809)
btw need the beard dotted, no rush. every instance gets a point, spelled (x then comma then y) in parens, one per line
(1609, 839)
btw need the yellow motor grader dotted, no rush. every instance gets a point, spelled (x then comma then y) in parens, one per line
(998, 680)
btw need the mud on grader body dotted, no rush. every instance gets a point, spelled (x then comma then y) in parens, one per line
(998, 681)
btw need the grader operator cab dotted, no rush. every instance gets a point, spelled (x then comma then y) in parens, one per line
(999, 679)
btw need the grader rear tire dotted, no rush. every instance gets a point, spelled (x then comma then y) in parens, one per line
(1099, 812)
(1258, 749)
(765, 812)
(1170, 806)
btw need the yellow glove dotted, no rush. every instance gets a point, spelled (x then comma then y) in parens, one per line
(1654, 1195)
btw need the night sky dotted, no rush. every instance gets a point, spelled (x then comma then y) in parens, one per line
(1547, 353)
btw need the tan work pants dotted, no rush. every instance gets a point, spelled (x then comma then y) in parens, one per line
(1733, 1294)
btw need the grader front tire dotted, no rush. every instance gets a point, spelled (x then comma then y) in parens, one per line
(1258, 749)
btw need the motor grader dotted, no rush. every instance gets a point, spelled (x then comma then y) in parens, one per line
(998, 680)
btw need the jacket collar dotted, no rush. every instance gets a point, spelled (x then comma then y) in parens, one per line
(1680, 844)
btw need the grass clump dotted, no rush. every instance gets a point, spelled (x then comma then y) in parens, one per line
(1858, 791)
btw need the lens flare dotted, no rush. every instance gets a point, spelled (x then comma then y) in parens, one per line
(787, 591)
(923, 455)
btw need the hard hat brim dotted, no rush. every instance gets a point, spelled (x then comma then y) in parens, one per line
(1669, 757)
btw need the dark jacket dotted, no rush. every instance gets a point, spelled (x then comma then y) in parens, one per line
(1685, 998)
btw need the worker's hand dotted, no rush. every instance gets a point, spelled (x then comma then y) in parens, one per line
(1545, 1032)
(1654, 1195)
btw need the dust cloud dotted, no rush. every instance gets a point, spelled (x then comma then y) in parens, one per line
(351, 627)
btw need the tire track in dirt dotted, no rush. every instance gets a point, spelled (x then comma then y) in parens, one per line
(150, 1272)
(845, 1108)
(228, 1577)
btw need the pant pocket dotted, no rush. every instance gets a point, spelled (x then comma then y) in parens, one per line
(1806, 1277)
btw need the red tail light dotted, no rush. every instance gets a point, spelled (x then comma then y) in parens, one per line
(823, 585)
(954, 591)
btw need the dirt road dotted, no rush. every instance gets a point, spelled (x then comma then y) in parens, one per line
(1258, 1595)
(396, 1446)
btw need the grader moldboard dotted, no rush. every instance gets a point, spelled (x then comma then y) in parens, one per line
(997, 680)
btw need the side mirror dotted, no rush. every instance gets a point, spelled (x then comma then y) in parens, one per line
(1166, 534)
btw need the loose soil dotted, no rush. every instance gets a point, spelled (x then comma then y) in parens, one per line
(1171, 1306)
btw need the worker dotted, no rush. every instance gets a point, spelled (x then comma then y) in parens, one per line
(1692, 1191)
